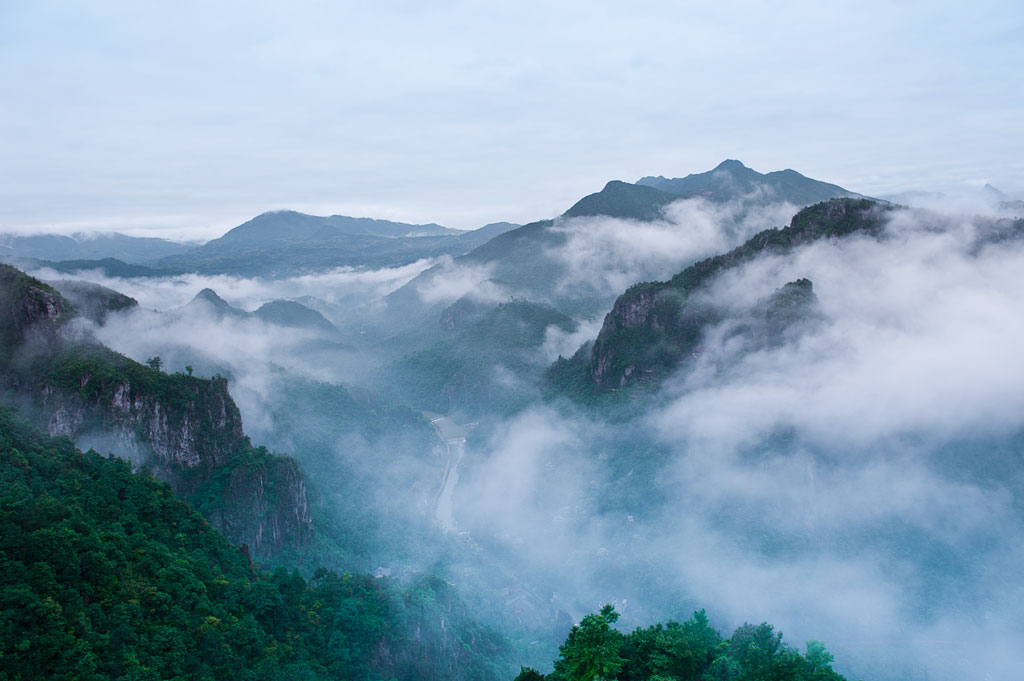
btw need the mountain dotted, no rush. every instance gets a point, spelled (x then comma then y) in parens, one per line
(530, 261)
(623, 200)
(730, 179)
(290, 314)
(278, 228)
(207, 300)
(1002, 200)
(187, 430)
(108, 267)
(653, 327)
(105, 575)
(284, 243)
(994, 194)
(280, 243)
(490, 230)
(287, 314)
(129, 249)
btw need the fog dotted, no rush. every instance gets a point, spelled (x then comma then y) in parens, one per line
(831, 486)
(858, 483)
(453, 281)
(608, 255)
(334, 286)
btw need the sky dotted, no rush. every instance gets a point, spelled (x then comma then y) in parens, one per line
(185, 119)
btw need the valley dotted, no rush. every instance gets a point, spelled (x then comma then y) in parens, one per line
(706, 401)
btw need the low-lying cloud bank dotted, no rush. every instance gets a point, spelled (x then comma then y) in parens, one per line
(604, 256)
(337, 286)
(860, 484)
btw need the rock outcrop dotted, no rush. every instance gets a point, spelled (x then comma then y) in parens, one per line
(273, 492)
(201, 429)
(30, 311)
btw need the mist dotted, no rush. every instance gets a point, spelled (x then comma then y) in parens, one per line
(605, 256)
(856, 483)
(342, 284)
(852, 485)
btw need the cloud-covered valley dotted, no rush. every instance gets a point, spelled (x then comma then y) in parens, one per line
(857, 483)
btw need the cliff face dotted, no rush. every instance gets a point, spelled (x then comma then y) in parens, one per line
(654, 326)
(201, 430)
(629, 335)
(31, 311)
(187, 430)
(270, 490)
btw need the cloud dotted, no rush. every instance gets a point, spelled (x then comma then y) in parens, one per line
(561, 343)
(334, 286)
(860, 484)
(880, 502)
(452, 281)
(604, 256)
(922, 338)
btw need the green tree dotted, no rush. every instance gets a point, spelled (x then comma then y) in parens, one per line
(591, 652)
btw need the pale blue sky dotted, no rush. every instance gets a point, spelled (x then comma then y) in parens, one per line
(191, 117)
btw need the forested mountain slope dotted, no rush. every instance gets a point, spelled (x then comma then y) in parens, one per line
(105, 575)
(185, 429)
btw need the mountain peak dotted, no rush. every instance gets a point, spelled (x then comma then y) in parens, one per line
(220, 307)
(992, 192)
(730, 164)
(210, 296)
(623, 200)
(730, 179)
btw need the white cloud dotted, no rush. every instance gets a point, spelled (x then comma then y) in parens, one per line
(456, 280)
(248, 293)
(604, 256)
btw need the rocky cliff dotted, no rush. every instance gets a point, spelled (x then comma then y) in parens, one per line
(186, 430)
(654, 326)
(167, 422)
(30, 312)
(260, 501)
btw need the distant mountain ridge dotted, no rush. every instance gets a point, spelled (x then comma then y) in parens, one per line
(278, 243)
(521, 259)
(284, 243)
(287, 242)
(280, 227)
(730, 178)
(81, 246)
(284, 313)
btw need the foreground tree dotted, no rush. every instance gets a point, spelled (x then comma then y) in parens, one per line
(691, 651)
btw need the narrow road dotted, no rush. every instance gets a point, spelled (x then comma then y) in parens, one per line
(454, 438)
